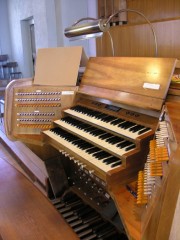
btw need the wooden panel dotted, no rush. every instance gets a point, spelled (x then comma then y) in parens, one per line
(128, 75)
(138, 40)
(129, 212)
(105, 8)
(108, 7)
(154, 9)
(25, 212)
(132, 100)
(175, 230)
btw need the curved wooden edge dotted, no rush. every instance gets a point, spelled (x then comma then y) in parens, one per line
(9, 103)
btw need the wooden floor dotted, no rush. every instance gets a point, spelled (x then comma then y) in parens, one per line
(23, 159)
(25, 213)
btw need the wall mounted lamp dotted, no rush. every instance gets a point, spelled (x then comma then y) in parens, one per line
(96, 27)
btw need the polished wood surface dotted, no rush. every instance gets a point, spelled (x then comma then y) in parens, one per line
(25, 213)
(137, 41)
(130, 214)
(153, 9)
(123, 79)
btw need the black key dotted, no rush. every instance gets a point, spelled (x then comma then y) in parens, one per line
(130, 147)
(118, 163)
(101, 116)
(93, 150)
(108, 119)
(90, 129)
(136, 128)
(123, 144)
(117, 121)
(88, 224)
(103, 155)
(98, 153)
(78, 142)
(143, 130)
(105, 136)
(127, 125)
(84, 233)
(110, 160)
(114, 140)
(98, 132)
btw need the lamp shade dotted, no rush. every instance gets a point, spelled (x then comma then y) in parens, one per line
(93, 27)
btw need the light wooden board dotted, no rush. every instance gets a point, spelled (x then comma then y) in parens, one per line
(136, 81)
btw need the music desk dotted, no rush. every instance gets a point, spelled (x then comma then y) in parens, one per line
(25, 213)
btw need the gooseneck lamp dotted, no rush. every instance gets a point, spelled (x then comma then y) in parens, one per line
(96, 27)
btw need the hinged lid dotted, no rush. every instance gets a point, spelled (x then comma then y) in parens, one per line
(136, 81)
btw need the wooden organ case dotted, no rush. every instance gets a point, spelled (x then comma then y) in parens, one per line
(102, 135)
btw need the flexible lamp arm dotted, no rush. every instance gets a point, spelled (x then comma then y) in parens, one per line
(83, 19)
(142, 15)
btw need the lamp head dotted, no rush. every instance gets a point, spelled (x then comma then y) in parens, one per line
(94, 28)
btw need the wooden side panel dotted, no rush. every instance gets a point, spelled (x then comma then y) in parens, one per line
(154, 9)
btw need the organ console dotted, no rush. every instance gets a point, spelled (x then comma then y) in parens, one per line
(104, 179)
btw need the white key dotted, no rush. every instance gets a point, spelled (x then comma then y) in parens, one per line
(81, 153)
(109, 126)
(102, 143)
